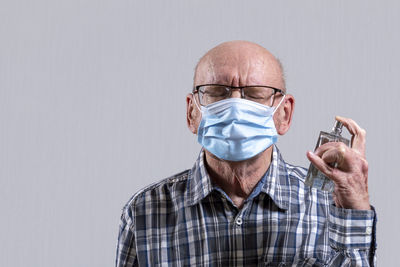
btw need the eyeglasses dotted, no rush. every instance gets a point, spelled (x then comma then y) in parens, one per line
(210, 93)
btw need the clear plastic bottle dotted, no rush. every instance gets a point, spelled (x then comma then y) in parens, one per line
(315, 178)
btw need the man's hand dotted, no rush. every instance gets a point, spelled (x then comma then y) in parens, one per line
(351, 173)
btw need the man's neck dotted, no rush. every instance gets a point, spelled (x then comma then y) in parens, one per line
(238, 179)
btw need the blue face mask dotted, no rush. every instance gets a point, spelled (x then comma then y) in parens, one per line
(237, 129)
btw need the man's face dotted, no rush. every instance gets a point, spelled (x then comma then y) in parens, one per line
(237, 64)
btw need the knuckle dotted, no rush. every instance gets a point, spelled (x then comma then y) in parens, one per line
(341, 147)
(364, 165)
(363, 132)
(352, 123)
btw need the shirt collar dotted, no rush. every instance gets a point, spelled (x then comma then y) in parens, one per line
(199, 183)
(276, 182)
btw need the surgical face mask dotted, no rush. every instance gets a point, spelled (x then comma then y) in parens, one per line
(237, 129)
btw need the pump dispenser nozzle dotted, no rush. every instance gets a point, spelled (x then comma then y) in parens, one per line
(337, 128)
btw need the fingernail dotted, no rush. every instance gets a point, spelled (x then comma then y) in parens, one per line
(338, 117)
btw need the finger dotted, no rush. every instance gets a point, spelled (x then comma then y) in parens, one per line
(358, 133)
(335, 156)
(333, 152)
(323, 167)
(328, 146)
(319, 164)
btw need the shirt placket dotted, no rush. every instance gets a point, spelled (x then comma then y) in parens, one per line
(238, 224)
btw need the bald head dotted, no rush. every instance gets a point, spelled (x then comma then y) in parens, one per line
(239, 63)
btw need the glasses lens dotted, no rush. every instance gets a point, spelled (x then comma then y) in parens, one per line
(212, 93)
(209, 94)
(262, 95)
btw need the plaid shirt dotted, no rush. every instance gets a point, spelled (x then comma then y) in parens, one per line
(186, 220)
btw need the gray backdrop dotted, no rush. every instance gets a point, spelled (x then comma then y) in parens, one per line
(92, 106)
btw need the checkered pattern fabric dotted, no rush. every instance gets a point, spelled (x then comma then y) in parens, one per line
(186, 220)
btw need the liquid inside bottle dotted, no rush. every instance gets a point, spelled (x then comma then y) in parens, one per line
(315, 178)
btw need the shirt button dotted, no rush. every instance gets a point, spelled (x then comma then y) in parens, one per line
(239, 221)
(368, 231)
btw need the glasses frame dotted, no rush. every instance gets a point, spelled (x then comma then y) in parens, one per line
(196, 89)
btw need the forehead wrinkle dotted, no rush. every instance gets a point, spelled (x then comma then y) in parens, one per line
(219, 71)
(230, 69)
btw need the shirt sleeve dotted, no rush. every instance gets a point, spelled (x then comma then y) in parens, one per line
(352, 235)
(126, 246)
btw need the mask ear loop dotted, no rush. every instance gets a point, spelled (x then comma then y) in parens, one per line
(278, 104)
(194, 98)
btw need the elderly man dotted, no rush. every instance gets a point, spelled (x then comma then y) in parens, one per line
(241, 204)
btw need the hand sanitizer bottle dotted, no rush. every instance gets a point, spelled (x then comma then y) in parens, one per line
(315, 178)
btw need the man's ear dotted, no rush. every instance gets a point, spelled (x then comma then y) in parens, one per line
(283, 116)
(192, 114)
